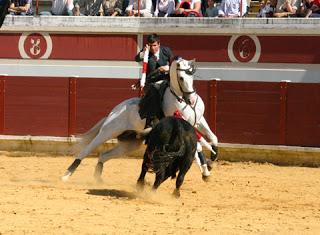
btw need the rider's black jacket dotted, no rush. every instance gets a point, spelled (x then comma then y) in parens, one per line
(165, 58)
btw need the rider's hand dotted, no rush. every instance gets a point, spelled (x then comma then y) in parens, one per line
(164, 68)
(146, 47)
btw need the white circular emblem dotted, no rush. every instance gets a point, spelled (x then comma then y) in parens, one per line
(244, 48)
(35, 45)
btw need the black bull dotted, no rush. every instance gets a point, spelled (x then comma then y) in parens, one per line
(171, 147)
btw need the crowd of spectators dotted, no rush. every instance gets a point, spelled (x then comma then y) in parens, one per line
(172, 8)
(136, 8)
(289, 8)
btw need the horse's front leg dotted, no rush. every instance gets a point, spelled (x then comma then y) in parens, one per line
(204, 128)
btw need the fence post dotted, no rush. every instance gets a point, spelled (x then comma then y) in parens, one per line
(283, 111)
(212, 100)
(37, 7)
(2, 101)
(72, 119)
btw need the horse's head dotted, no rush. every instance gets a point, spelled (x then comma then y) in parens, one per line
(181, 78)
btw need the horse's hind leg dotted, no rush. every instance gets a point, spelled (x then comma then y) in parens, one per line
(120, 149)
(98, 140)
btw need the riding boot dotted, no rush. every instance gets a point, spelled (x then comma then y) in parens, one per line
(214, 156)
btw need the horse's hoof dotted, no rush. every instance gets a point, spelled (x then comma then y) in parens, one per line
(209, 164)
(214, 156)
(206, 178)
(205, 170)
(176, 193)
(66, 176)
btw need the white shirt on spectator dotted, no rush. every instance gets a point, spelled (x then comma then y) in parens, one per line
(232, 8)
(59, 7)
(165, 6)
(145, 7)
(281, 5)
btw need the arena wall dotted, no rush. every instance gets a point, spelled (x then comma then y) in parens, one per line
(60, 75)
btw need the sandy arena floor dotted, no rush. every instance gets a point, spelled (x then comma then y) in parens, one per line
(241, 198)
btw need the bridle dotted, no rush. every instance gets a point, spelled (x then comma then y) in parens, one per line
(189, 71)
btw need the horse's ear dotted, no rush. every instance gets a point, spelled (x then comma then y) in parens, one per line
(192, 62)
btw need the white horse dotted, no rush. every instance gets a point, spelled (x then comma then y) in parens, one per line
(180, 95)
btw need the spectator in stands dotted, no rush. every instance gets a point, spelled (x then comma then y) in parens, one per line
(112, 7)
(60, 7)
(88, 8)
(312, 8)
(164, 8)
(145, 8)
(232, 8)
(20, 7)
(212, 10)
(188, 8)
(267, 8)
(285, 8)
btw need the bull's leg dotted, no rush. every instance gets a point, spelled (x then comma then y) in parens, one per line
(183, 169)
(160, 177)
(123, 147)
(144, 169)
(179, 182)
(204, 128)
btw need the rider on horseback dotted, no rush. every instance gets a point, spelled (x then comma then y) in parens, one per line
(159, 61)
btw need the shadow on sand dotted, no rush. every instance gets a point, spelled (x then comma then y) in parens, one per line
(112, 193)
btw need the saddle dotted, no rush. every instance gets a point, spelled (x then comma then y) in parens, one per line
(150, 105)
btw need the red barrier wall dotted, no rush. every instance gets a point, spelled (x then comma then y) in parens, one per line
(239, 112)
(35, 106)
